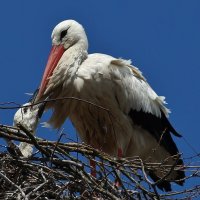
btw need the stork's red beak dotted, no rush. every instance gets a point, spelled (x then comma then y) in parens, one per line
(54, 57)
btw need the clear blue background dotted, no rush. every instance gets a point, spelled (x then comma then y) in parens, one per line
(162, 38)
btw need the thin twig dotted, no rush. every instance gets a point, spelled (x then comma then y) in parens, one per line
(14, 185)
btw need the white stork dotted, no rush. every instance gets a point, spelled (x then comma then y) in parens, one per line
(137, 124)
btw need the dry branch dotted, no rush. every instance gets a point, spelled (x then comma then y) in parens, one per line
(55, 172)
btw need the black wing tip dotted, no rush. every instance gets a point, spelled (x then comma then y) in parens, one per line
(177, 134)
(165, 185)
(173, 131)
(180, 178)
(170, 127)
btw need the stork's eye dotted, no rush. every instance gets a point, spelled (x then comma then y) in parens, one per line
(63, 33)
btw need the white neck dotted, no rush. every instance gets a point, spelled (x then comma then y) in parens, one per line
(73, 58)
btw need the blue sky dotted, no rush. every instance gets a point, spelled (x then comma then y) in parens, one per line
(160, 37)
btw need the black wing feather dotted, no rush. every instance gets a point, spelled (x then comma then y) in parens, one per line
(160, 128)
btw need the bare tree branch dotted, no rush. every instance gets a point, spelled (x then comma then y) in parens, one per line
(54, 171)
